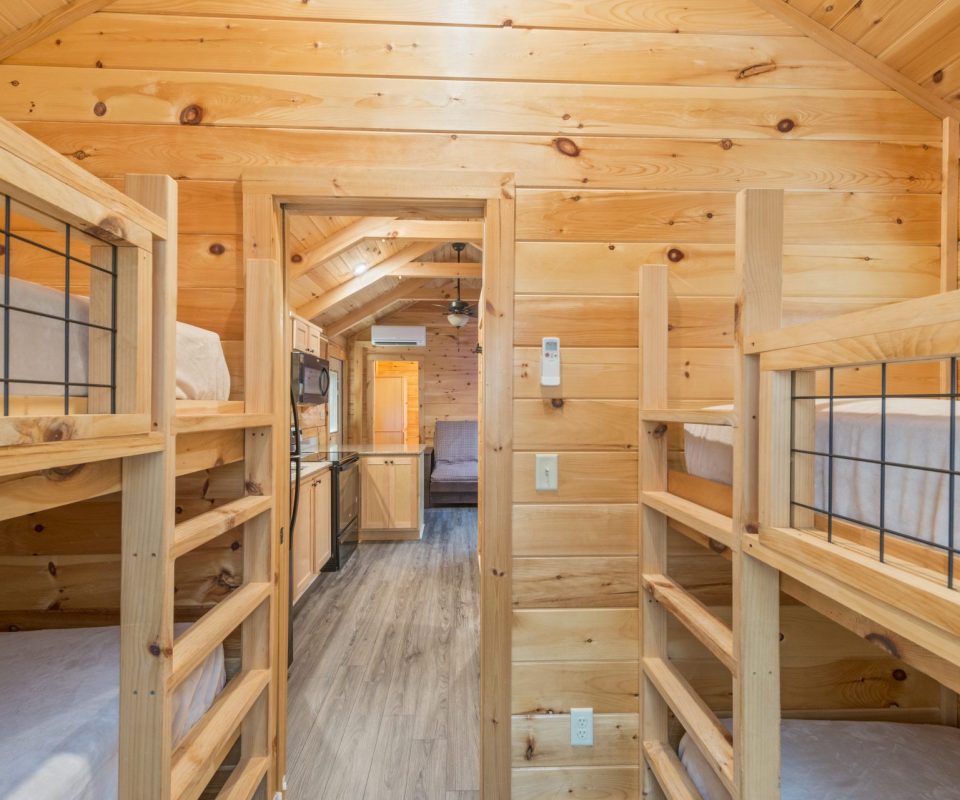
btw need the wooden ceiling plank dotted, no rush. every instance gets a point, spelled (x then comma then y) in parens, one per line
(346, 290)
(865, 61)
(48, 25)
(338, 243)
(374, 307)
(440, 269)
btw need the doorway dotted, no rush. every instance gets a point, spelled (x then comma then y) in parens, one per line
(396, 402)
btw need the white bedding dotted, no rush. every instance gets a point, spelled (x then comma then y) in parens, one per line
(59, 708)
(37, 347)
(918, 434)
(831, 760)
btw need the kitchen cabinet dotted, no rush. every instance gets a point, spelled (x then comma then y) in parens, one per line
(390, 497)
(312, 536)
(306, 337)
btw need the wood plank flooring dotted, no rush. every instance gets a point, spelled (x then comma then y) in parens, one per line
(384, 690)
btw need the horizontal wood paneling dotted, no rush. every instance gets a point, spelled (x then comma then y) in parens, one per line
(579, 322)
(583, 478)
(608, 687)
(576, 582)
(563, 424)
(577, 783)
(576, 635)
(585, 373)
(575, 530)
(544, 741)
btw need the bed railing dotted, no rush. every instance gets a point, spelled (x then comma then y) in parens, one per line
(71, 233)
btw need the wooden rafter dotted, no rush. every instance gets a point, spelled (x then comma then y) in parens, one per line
(376, 306)
(439, 269)
(346, 290)
(859, 58)
(49, 24)
(338, 243)
(444, 293)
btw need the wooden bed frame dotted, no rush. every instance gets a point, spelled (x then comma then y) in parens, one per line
(905, 608)
(51, 461)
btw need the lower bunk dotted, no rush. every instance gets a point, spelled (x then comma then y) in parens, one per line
(842, 760)
(59, 711)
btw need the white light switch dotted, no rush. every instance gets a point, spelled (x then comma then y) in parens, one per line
(547, 472)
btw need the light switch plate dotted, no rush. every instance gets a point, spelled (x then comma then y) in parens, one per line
(581, 727)
(547, 470)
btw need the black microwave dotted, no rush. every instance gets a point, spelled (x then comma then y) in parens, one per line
(310, 379)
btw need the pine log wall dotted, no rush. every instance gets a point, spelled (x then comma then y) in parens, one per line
(449, 366)
(629, 125)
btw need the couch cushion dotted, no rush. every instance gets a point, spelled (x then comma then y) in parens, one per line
(446, 471)
(456, 440)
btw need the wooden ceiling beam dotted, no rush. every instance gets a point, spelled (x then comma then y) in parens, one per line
(440, 269)
(376, 306)
(444, 293)
(48, 25)
(859, 58)
(338, 243)
(346, 290)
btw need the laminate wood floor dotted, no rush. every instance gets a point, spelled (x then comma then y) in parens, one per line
(384, 690)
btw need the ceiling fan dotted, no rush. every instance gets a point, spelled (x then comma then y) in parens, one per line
(458, 311)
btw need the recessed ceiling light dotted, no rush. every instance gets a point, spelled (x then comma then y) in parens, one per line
(360, 269)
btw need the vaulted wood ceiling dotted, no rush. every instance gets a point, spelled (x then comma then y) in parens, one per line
(916, 39)
(347, 272)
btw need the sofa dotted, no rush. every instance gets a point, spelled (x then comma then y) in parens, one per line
(452, 464)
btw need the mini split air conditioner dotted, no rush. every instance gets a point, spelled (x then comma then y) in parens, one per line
(399, 336)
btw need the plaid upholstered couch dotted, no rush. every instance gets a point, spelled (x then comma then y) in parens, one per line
(453, 464)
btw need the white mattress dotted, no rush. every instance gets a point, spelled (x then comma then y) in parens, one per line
(37, 347)
(918, 434)
(59, 710)
(828, 760)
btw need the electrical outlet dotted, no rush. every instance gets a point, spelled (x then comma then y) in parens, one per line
(581, 727)
(546, 472)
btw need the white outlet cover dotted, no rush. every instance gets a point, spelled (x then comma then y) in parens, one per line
(581, 727)
(547, 469)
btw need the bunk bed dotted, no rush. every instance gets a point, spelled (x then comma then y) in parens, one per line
(105, 396)
(842, 498)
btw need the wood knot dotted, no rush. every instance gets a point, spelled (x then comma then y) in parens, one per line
(296, 258)
(752, 527)
(717, 547)
(253, 487)
(235, 546)
(52, 568)
(676, 255)
(218, 249)
(155, 650)
(531, 747)
(38, 528)
(100, 109)
(756, 69)
(80, 154)
(938, 76)
(786, 125)
(883, 642)
(899, 675)
(726, 144)
(58, 432)
(660, 431)
(191, 115)
(110, 228)
(62, 473)
(557, 402)
(567, 147)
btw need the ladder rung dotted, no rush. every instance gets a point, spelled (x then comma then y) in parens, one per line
(195, 423)
(245, 779)
(201, 753)
(712, 632)
(208, 632)
(670, 773)
(201, 529)
(698, 720)
(728, 419)
(702, 519)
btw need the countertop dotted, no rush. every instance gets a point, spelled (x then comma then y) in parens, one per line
(383, 449)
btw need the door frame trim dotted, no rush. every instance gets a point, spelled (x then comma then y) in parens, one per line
(491, 196)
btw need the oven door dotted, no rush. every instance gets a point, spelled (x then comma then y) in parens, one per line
(348, 505)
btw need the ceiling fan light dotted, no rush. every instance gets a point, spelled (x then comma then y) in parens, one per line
(458, 320)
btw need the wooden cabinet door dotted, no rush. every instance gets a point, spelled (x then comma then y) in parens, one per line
(376, 493)
(405, 511)
(322, 524)
(301, 336)
(314, 342)
(303, 540)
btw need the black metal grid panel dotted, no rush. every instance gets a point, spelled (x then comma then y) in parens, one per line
(881, 527)
(8, 306)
